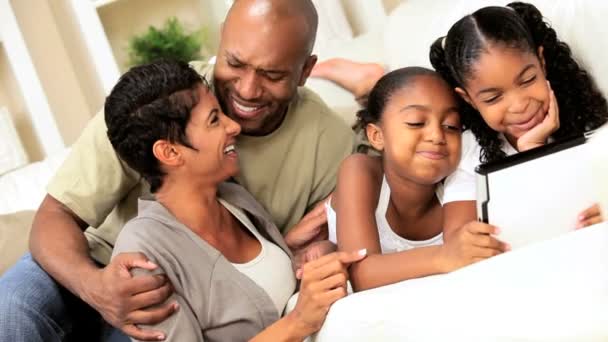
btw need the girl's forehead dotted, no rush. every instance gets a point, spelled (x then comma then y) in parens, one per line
(500, 62)
(421, 83)
(428, 91)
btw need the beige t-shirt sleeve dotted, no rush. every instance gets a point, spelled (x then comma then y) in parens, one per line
(336, 142)
(204, 69)
(92, 180)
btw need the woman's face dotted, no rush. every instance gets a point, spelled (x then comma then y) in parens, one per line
(509, 89)
(420, 131)
(212, 136)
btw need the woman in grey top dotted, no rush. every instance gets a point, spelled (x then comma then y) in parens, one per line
(229, 265)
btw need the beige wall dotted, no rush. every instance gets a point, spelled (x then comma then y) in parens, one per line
(12, 99)
(367, 15)
(76, 50)
(62, 62)
(55, 68)
(69, 80)
(391, 4)
(124, 19)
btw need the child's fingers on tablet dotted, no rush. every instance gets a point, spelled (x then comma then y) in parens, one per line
(589, 216)
(489, 241)
(593, 210)
(477, 259)
(484, 253)
(589, 222)
(476, 227)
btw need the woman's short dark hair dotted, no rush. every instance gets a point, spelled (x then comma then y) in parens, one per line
(384, 89)
(520, 26)
(149, 103)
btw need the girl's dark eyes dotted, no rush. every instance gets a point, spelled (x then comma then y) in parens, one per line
(529, 80)
(491, 99)
(453, 128)
(449, 127)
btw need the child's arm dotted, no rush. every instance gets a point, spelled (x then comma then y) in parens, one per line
(457, 214)
(355, 200)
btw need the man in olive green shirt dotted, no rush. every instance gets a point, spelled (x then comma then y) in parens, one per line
(290, 150)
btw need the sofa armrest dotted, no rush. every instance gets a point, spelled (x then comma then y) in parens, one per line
(14, 237)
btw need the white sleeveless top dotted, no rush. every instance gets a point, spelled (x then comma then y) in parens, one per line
(390, 242)
(271, 269)
(461, 185)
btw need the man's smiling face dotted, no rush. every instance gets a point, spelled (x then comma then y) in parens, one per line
(262, 60)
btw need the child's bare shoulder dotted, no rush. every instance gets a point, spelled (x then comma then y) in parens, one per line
(361, 165)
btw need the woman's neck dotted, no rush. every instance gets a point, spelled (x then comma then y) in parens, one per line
(194, 205)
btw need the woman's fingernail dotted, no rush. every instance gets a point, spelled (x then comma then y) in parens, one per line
(362, 252)
(496, 230)
(160, 337)
(581, 217)
(299, 273)
(507, 247)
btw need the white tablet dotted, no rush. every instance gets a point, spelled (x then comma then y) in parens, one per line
(537, 194)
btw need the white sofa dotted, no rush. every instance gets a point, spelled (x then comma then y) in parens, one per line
(21, 192)
(556, 290)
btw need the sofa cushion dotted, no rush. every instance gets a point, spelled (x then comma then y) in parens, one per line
(368, 48)
(14, 237)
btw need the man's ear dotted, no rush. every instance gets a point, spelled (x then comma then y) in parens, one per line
(307, 69)
(465, 96)
(167, 153)
(541, 58)
(375, 136)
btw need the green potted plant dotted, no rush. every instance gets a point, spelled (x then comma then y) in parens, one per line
(171, 41)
